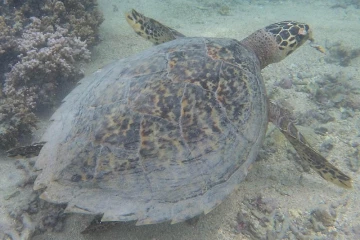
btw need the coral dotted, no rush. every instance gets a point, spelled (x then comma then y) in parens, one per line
(47, 60)
(324, 217)
(42, 47)
(16, 119)
(346, 3)
(260, 218)
(341, 54)
(337, 90)
(224, 10)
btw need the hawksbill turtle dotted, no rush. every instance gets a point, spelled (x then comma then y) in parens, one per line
(167, 134)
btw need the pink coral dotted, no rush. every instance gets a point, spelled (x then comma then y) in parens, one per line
(46, 59)
(42, 47)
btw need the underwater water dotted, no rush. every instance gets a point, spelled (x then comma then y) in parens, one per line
(44, 52)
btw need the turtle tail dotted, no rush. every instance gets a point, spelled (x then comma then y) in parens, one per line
(151, 29)
(282, 119)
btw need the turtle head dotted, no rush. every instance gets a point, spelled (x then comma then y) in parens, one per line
(277, 41)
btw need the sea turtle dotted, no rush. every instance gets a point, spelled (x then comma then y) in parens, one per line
(167, 134)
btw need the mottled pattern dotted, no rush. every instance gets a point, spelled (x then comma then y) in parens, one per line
(163, 135)
(281, 118)
(26, 151)
(236, 54)
(151, 29)
(289, 34)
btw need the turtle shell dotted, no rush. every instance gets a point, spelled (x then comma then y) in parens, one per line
(163, 135)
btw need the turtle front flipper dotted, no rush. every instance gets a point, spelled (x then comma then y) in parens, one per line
(282, 119)
(151, 29)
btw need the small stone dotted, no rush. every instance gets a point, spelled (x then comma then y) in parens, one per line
(338, 98)
(296, 213)
(355, 144)
(323, 215)
(322, 117)
(313, 88)
(346, 113)
(354, 161)
(285, 83)
(327, 145)
(321, 131)
(14, 194)
(303, 75)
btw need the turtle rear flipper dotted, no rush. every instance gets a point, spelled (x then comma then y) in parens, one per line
(26, 151)
(151, 29)
(97, 225)
(282, 119)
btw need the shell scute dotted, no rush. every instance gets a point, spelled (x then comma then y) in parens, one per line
(155, 136)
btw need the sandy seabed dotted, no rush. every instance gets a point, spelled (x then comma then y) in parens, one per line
(279, 199)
